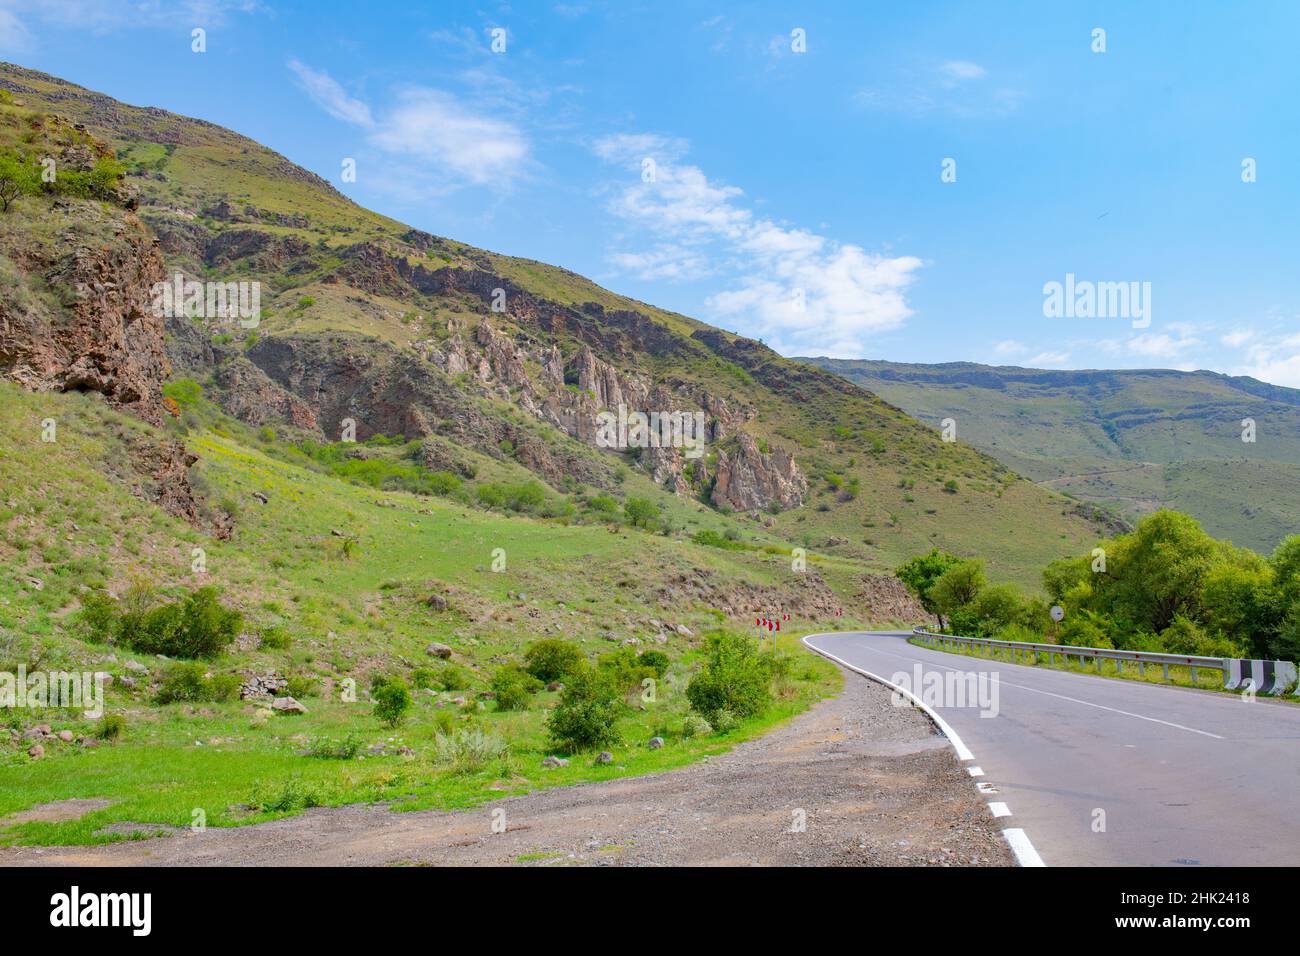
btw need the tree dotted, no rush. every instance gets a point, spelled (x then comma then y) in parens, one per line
(920, 573)
(640, 512)
(16, 179)
(958, 586)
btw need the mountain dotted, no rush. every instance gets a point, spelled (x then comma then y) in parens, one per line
(505, 363)
(1131, 440)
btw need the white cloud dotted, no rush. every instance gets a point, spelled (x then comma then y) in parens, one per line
(1010, 347)
(1275, 360)
(431, 126)
(1237, 338)
(14, 37)
(1048, 359)
(326, 93)
(959, 71)
(1153, 345)
(635, 147)
(801, 292)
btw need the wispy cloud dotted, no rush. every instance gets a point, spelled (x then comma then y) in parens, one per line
(103, 16)
(801, 292)
(326, 93)
(459, 142)
(959, 87)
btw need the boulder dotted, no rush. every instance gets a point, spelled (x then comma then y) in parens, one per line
(287, 705)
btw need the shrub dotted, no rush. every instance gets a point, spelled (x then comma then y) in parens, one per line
(695, 726)
(328, 749)
(552, 659)
(183, 391)
(514, 687)
(657, 661)
(588, 711)
(624, 669)
(392, 700)
(467, 750)
(195, 627)
(453, 677)
(424, 678)
(735, 678)
(299, 686)
(189, 682)
(111, 727)
(97, 621)
(276, 638)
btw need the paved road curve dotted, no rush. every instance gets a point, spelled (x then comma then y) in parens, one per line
(1185, 777)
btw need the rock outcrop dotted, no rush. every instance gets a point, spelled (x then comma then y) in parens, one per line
(749, 479)
(107, 339)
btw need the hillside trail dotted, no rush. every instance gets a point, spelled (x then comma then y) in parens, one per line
(853, 781)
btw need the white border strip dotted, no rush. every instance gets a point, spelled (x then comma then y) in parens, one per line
(1022, 847)
(963, 752)
(1016, 838)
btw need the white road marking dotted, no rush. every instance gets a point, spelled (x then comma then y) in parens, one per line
(963, 752)
(985, 787)
(1019, 842)
(1022, 847)
(1048, 693)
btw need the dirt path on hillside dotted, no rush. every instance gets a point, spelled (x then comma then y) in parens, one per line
(876, 786)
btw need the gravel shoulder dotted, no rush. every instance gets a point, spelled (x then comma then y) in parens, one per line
(875, 785)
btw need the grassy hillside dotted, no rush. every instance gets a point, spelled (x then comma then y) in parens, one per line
(466, 522)
(1132, 440)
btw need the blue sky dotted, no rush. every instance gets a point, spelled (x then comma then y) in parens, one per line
(796, 196)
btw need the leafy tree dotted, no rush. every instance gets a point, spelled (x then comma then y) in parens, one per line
(17, 178)
(958, 586)
(640, 512)
(920, 573)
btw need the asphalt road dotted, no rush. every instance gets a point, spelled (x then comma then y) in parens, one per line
(1181, 777)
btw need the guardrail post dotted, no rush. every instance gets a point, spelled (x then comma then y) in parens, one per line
(1142, 668)
(1193, 673)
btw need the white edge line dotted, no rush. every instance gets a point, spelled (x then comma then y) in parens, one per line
(1021, 846)
(963, 752)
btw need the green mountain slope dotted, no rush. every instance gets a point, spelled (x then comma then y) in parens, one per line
(1131, 440)
(365, 318)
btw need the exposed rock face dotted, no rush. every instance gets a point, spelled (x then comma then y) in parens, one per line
(108, 339)
(885, 598)
(163, 468)
(749, 480)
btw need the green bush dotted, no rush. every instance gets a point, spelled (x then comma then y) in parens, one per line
(551, 659)
(735, 678)
(625, 669)
(453, 677)
(514, 687)
(424, 678)
(468, 750)
(588, 712)
(328, 749)
(190, 683)
(392, 700)
(111, 727)
(276, 639)
(197, 626)
(300, 686)
(657, 661)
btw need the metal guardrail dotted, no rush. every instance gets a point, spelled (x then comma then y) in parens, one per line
(1140, 657)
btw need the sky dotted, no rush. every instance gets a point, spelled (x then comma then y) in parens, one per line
(860, 179)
